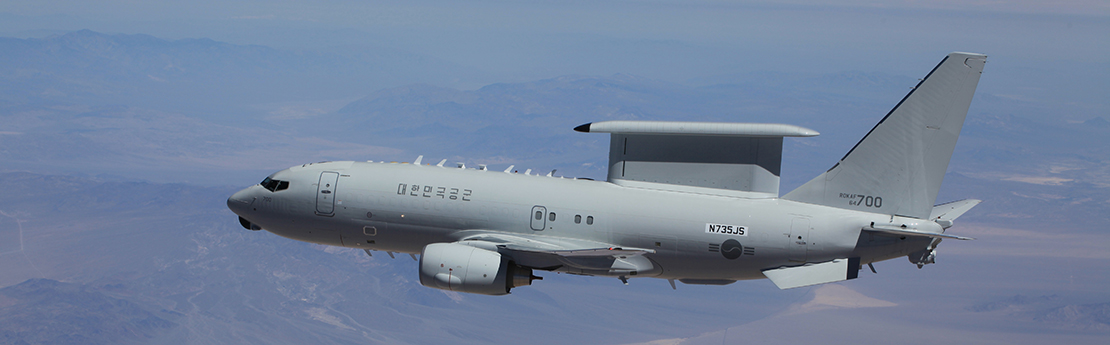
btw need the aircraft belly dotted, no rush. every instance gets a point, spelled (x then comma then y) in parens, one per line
(323, 236)
(693, 267)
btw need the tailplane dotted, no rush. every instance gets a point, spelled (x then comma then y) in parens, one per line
(897, 168)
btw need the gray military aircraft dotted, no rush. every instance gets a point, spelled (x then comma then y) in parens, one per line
(687, 201)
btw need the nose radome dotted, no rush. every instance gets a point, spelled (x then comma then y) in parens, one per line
(240, 202)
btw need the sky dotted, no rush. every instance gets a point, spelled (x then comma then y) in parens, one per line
(672, 40)
(1039, 50)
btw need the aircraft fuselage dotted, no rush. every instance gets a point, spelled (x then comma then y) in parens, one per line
(402, 207)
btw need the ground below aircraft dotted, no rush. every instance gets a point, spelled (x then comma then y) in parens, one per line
(687, 201)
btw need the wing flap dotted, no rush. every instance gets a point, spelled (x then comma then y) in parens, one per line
(572, 255)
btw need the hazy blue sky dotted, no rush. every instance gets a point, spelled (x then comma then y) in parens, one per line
(675, 40)
(1052, 51)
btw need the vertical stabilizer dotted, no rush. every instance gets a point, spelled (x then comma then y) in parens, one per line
(897, 168)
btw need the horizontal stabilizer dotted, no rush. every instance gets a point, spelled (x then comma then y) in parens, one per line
(952, 210)
(813, 274)
(912, 232)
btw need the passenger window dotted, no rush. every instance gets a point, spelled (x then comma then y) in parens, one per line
(539, 215)
(577, 219)
(551, 217)
(589, 220)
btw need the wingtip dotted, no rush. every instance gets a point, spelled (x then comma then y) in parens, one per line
(583, 128)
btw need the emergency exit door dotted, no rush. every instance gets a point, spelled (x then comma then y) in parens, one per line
(798, 244)
(539, 218)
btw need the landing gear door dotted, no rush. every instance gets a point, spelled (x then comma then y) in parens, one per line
(325, 193)
(798, 243)
(539, 218)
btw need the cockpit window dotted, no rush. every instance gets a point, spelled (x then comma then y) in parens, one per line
(269, 184)
(274, 185)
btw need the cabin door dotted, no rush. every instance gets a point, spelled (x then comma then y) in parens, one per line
(325, 193)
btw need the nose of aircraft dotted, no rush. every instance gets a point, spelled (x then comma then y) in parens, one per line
(241, 201)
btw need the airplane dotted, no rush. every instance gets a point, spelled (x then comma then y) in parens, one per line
(696, 202)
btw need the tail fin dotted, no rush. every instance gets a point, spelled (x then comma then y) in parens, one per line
(897, 168)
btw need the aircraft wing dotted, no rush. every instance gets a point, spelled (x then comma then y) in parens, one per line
(572, 255)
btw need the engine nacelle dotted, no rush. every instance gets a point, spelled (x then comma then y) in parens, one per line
(458, 267)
